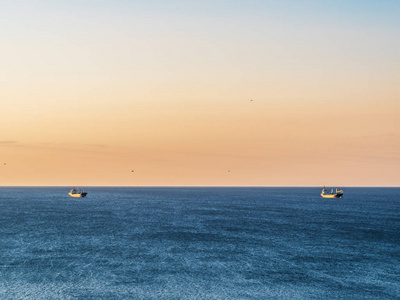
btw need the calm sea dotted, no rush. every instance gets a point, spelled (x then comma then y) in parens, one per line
(199, 243)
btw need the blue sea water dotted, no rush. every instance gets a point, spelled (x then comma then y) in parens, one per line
(199, 243)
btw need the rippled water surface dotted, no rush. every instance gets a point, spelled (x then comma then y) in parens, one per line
(199, 243)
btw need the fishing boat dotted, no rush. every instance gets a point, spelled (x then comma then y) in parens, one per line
(332, 194)
(77, 192)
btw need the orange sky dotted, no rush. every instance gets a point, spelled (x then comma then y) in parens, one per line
(88, 96)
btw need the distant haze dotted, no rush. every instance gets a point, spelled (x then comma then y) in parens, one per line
(214, 93)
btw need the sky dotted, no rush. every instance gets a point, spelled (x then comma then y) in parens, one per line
(205, 93)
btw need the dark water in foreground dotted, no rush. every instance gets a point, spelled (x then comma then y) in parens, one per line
(199, 243)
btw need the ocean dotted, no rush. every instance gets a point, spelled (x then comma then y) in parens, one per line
(199, 243)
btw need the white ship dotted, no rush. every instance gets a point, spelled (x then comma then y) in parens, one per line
(77, 192)
(332, 194)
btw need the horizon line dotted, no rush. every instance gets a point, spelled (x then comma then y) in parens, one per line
(204, 186)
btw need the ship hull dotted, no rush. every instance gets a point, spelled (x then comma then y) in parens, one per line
(80, 195)
(332, 196)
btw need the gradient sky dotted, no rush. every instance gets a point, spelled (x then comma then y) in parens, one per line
(90, 90)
